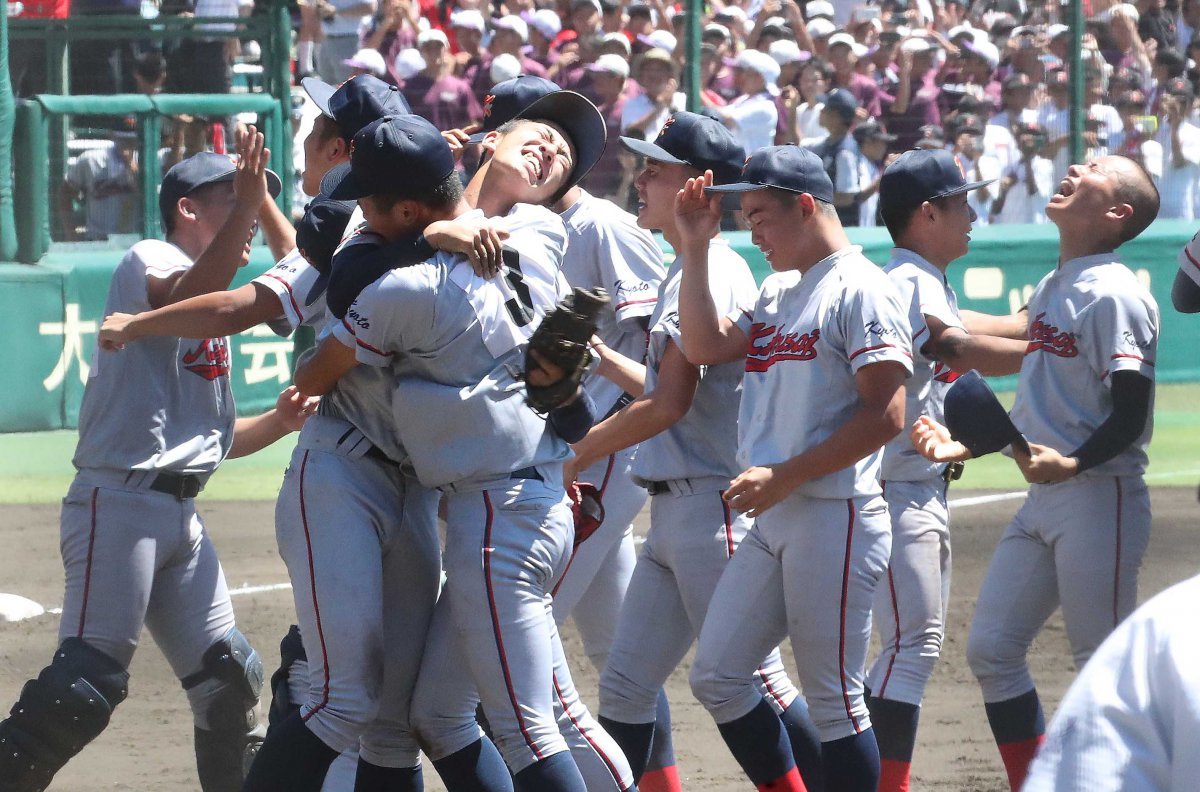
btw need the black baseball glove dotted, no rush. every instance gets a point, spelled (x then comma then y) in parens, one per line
(560, 344)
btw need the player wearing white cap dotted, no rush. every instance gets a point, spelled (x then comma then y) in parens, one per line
(826, 350)
(1084, 400)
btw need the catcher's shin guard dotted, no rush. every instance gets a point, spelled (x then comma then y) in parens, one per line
(227, 733)
(60, 712)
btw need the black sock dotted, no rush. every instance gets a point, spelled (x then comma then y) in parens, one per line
(291, 759)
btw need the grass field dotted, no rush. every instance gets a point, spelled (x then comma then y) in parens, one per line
(36, 467)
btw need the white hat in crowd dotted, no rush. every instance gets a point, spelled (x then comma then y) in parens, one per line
(408, 64)
(821, 27)
(611, 64)
(786, 51)
(504, 67)
(617, 38)
(660, 39)
(369, 59)
(815, 9)
(986, 50)
(515, 24)
(759, 62)
(467, 18)
(547, 22)
(841, 38)
(915, 45)
(431, 35)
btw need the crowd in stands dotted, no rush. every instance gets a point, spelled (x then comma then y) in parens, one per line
(855, 82)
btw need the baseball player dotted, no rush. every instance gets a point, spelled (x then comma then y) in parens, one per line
(685, 422)
(826, 353)
(451, 359)
(605, 249)
(1129, 721)
(1185, 291)
(155, 422)
(1084, 400)
(923, 203)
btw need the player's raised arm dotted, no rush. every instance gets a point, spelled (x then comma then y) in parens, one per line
(707, 337)
(204, 316)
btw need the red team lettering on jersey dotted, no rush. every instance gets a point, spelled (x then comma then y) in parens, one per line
(210, 359)
(1047, 338)
(782, 346)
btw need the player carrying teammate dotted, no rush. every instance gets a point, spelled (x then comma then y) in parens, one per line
(826, 352)
(923, 201)
(155, 422)
(1084, 400)
(685, 421)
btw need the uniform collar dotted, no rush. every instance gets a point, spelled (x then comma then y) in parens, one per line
(822, 267)
(917, 260)
(1077, 265)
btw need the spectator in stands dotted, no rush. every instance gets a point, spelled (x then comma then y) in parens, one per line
(844, 53)
(612, 16)
(975, 164)
(393, 29)
(340, 21)
(979, 62)
(1015, 103)
(1168, 65)
(107, 182)
(1027, 184)
(918, 93)
(544, 26)
(509, 35)
(930, 136)
(1136, 138)
(467, 27)
(645, 113)
(408, 64)
(367, 61)
(1180, 141)
(808, 101)
(1127, 47)
(839, 153)
(607, 90)
(711, 64)
(1154, 25)
(436, 94)
(586, 17)
(752, 116)
(873, 143)
(720, 78)
(641, 21)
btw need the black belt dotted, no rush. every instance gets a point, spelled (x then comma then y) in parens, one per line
(374, 452)
(657, 487)
(179, 486)
(527, 473)
(953, 471)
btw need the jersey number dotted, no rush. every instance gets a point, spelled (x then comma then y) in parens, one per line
(520, 306)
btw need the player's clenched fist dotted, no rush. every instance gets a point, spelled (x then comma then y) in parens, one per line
(1044, 465)
(757, 489)
(293, 408)
(933, 441)
(115, 332)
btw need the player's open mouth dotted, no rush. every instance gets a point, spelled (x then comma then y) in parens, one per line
(535, 166)
(1066, 188)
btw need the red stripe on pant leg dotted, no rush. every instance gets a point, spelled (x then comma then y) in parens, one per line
(842, 623)
(491, 594)
(1117, 565)
(312, 579)
(612, 461)
(729, 545)
(896, 615)
(758, 672)
(563, 577)
(612, 770)
(87, 572)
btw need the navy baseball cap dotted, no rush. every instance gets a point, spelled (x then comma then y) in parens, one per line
(695, 140)
(790, 168)
(507, 99)
(356, 102)
(920, 175)
(197, 171)
(843, 102)
(320, 230)
(582, 122)
(398, 155)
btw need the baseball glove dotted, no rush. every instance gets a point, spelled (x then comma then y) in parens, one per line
(586, 508)
(561, 342)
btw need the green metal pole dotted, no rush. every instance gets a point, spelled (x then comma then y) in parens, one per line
(691, 63)
(151, 217)
(1078, 106)
(280, 64)
(32, 188)
(8, 105)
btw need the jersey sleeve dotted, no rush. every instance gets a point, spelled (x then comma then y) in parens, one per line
(847, 171)
(1189, 259)
(630, 262)
(158, 259)
(292, 280)
(1122, 335)
(392, 315)
(932, 300)
(874, 325)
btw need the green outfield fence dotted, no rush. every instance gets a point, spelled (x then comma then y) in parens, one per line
(49, 313)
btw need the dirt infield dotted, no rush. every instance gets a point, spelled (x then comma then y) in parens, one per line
(148, 746)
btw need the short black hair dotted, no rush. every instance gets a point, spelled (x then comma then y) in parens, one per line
(442, 198)
(198, 195)
(898, 219)
(1140, 193)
